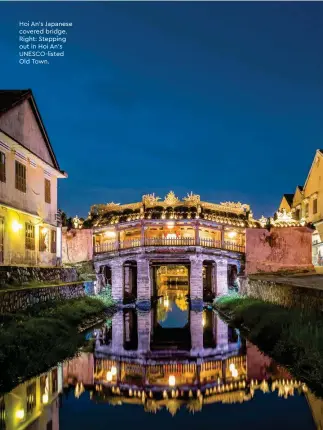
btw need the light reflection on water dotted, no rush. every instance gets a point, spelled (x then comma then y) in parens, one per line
(164, 367)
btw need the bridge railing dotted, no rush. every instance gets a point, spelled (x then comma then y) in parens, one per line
(162, 241)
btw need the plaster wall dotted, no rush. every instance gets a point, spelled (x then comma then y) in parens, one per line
(77, 245)
(279, 249)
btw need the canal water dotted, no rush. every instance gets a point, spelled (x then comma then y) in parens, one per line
(169, 367)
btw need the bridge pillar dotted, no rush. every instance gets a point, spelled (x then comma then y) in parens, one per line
(143, 280)
(196, 279)
(117, 281)
(221, 277)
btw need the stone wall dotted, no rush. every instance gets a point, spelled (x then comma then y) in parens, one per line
(19, 275)
(11, 301)
(279, 249)
(284, 294)
(77, 245)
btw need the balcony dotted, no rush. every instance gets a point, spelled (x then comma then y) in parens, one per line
(158, 241)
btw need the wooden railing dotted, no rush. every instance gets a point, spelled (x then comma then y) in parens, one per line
(161, 241)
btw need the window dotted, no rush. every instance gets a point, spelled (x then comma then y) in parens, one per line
(53, 242)
(43, 239)
(297, 214)
(2, 167)
(20, 175)
(31, 398)
(29, 236)
(306, 210)
(314, 206)
(47, 191)
(2, 414)
(54, 381)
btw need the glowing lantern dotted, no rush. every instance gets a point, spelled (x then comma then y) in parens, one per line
(113, 370)
(20, 413)
(109, 376)
(45, 399)
(171, 380)
(16, 226)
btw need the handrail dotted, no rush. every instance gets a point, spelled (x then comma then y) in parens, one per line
(165, 241)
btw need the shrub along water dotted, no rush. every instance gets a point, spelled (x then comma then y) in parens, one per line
(294, 338)
(33, 340)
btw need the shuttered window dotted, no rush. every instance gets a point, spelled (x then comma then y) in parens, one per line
(29, 236)
(47, 191)
(53, 242)
(20, 175)
(2, 167)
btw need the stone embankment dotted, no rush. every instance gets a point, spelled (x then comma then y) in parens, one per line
(291, 290)
(23, 275)
(12, 300)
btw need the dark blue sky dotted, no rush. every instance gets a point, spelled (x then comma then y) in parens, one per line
(224, 99)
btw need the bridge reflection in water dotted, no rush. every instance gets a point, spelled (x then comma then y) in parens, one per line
(171, 357)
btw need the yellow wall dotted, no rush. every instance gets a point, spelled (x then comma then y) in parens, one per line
(14, 240)
(16, 401)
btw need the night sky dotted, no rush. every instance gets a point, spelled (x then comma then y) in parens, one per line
(222, 99)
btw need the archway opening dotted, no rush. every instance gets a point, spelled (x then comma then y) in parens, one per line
(208, 280)
(233, 284)
(130, 281)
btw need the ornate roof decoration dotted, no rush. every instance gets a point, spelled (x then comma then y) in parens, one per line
(171, 199)
(235, 205)
(192, 198)
(150, 199)
(284, 219)
(112, 206)
(263, 221)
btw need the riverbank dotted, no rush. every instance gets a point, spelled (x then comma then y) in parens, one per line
(292, 337)
(33, 340)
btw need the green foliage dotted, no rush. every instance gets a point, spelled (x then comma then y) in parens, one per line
(293, 337)
(105, 296)
(36, 339)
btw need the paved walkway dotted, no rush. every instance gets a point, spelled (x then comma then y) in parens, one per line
(310, 280)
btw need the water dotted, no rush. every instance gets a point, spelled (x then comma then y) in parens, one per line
(165, 368)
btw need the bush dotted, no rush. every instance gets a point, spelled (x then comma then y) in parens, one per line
(33, 340)
(293, 337)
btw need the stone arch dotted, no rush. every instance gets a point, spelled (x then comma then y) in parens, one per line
(103, 276)
(233, 283)
(130, 281)
(209, 287)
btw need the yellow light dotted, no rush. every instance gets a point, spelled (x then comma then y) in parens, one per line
(166, 302)
(44, 230)
(16, 226)
(232, 234)
(232, 367)
(110, 234)
(20, 413)
(234, 373)
(171, 381)
(170, 224)
(113, 370)
(45, 399)
(203, 321)
(109, 376)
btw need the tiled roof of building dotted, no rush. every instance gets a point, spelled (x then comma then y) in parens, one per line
(289, 198)
(10, 98)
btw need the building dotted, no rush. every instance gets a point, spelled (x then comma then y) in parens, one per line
(143, 248)
(29, 231)
(34, 404)
(306, 205)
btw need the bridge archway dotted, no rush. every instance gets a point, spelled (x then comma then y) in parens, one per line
(130, 281)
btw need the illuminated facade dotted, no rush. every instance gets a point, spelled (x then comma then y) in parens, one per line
(29, 228)
(134, 243)
(33, 404)
(306, 205)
